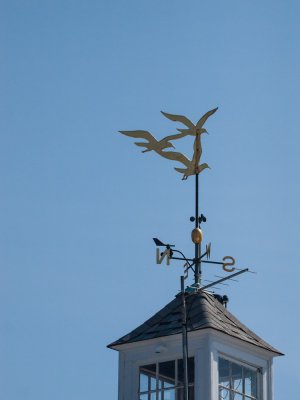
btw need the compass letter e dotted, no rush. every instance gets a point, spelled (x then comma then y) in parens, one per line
(225, 264)
(160, 256)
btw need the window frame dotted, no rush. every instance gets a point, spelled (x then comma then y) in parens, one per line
(157, 391)
(252, 367)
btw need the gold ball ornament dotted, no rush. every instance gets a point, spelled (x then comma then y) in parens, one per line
(197, 235)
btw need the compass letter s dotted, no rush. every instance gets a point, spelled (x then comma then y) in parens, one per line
(225, 264)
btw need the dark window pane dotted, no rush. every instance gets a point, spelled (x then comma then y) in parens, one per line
(167, 373)
(250, 378)
(180, 394)
(149, 369)
(237, 377)
(223, 369)
(191, 393)
(224, 372)
(180, 373)
(236, 371)
(191, 371)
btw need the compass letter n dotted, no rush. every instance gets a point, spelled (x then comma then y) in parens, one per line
(160, 256)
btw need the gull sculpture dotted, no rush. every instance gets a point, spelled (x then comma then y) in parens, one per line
(193, 166)
(153, 144)
(191, 128)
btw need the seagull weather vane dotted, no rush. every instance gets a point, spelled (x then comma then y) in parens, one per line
(190, 167)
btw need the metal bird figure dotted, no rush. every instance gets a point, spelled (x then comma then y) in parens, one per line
(191, 170)
(153, 144)
(192, 129)
(192, 166)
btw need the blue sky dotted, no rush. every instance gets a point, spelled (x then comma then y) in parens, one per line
(79, 203)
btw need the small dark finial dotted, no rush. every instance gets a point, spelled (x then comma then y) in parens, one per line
(225, 300)
(192, 219)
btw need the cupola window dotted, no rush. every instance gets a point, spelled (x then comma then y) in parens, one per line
(237, 381)
(164, 380)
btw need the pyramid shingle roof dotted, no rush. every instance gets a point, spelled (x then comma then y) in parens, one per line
(203, 311)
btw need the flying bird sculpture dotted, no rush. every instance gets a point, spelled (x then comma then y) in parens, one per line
(192, 167)
(191, 170)
(152, 144)
(191, 128)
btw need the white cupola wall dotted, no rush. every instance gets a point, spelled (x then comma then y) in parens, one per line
(225, 359)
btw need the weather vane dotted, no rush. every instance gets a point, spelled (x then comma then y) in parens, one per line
(191, 167)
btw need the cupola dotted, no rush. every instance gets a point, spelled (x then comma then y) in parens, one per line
(226, 360)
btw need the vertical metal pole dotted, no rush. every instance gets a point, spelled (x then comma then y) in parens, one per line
(184, 344)
(197, 246)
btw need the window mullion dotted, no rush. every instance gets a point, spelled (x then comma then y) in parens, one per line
(157, 380)
(243, 383)
(176, 379)
(231, 393)
(149, 387)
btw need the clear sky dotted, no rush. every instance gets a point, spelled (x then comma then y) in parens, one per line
(79, 203)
